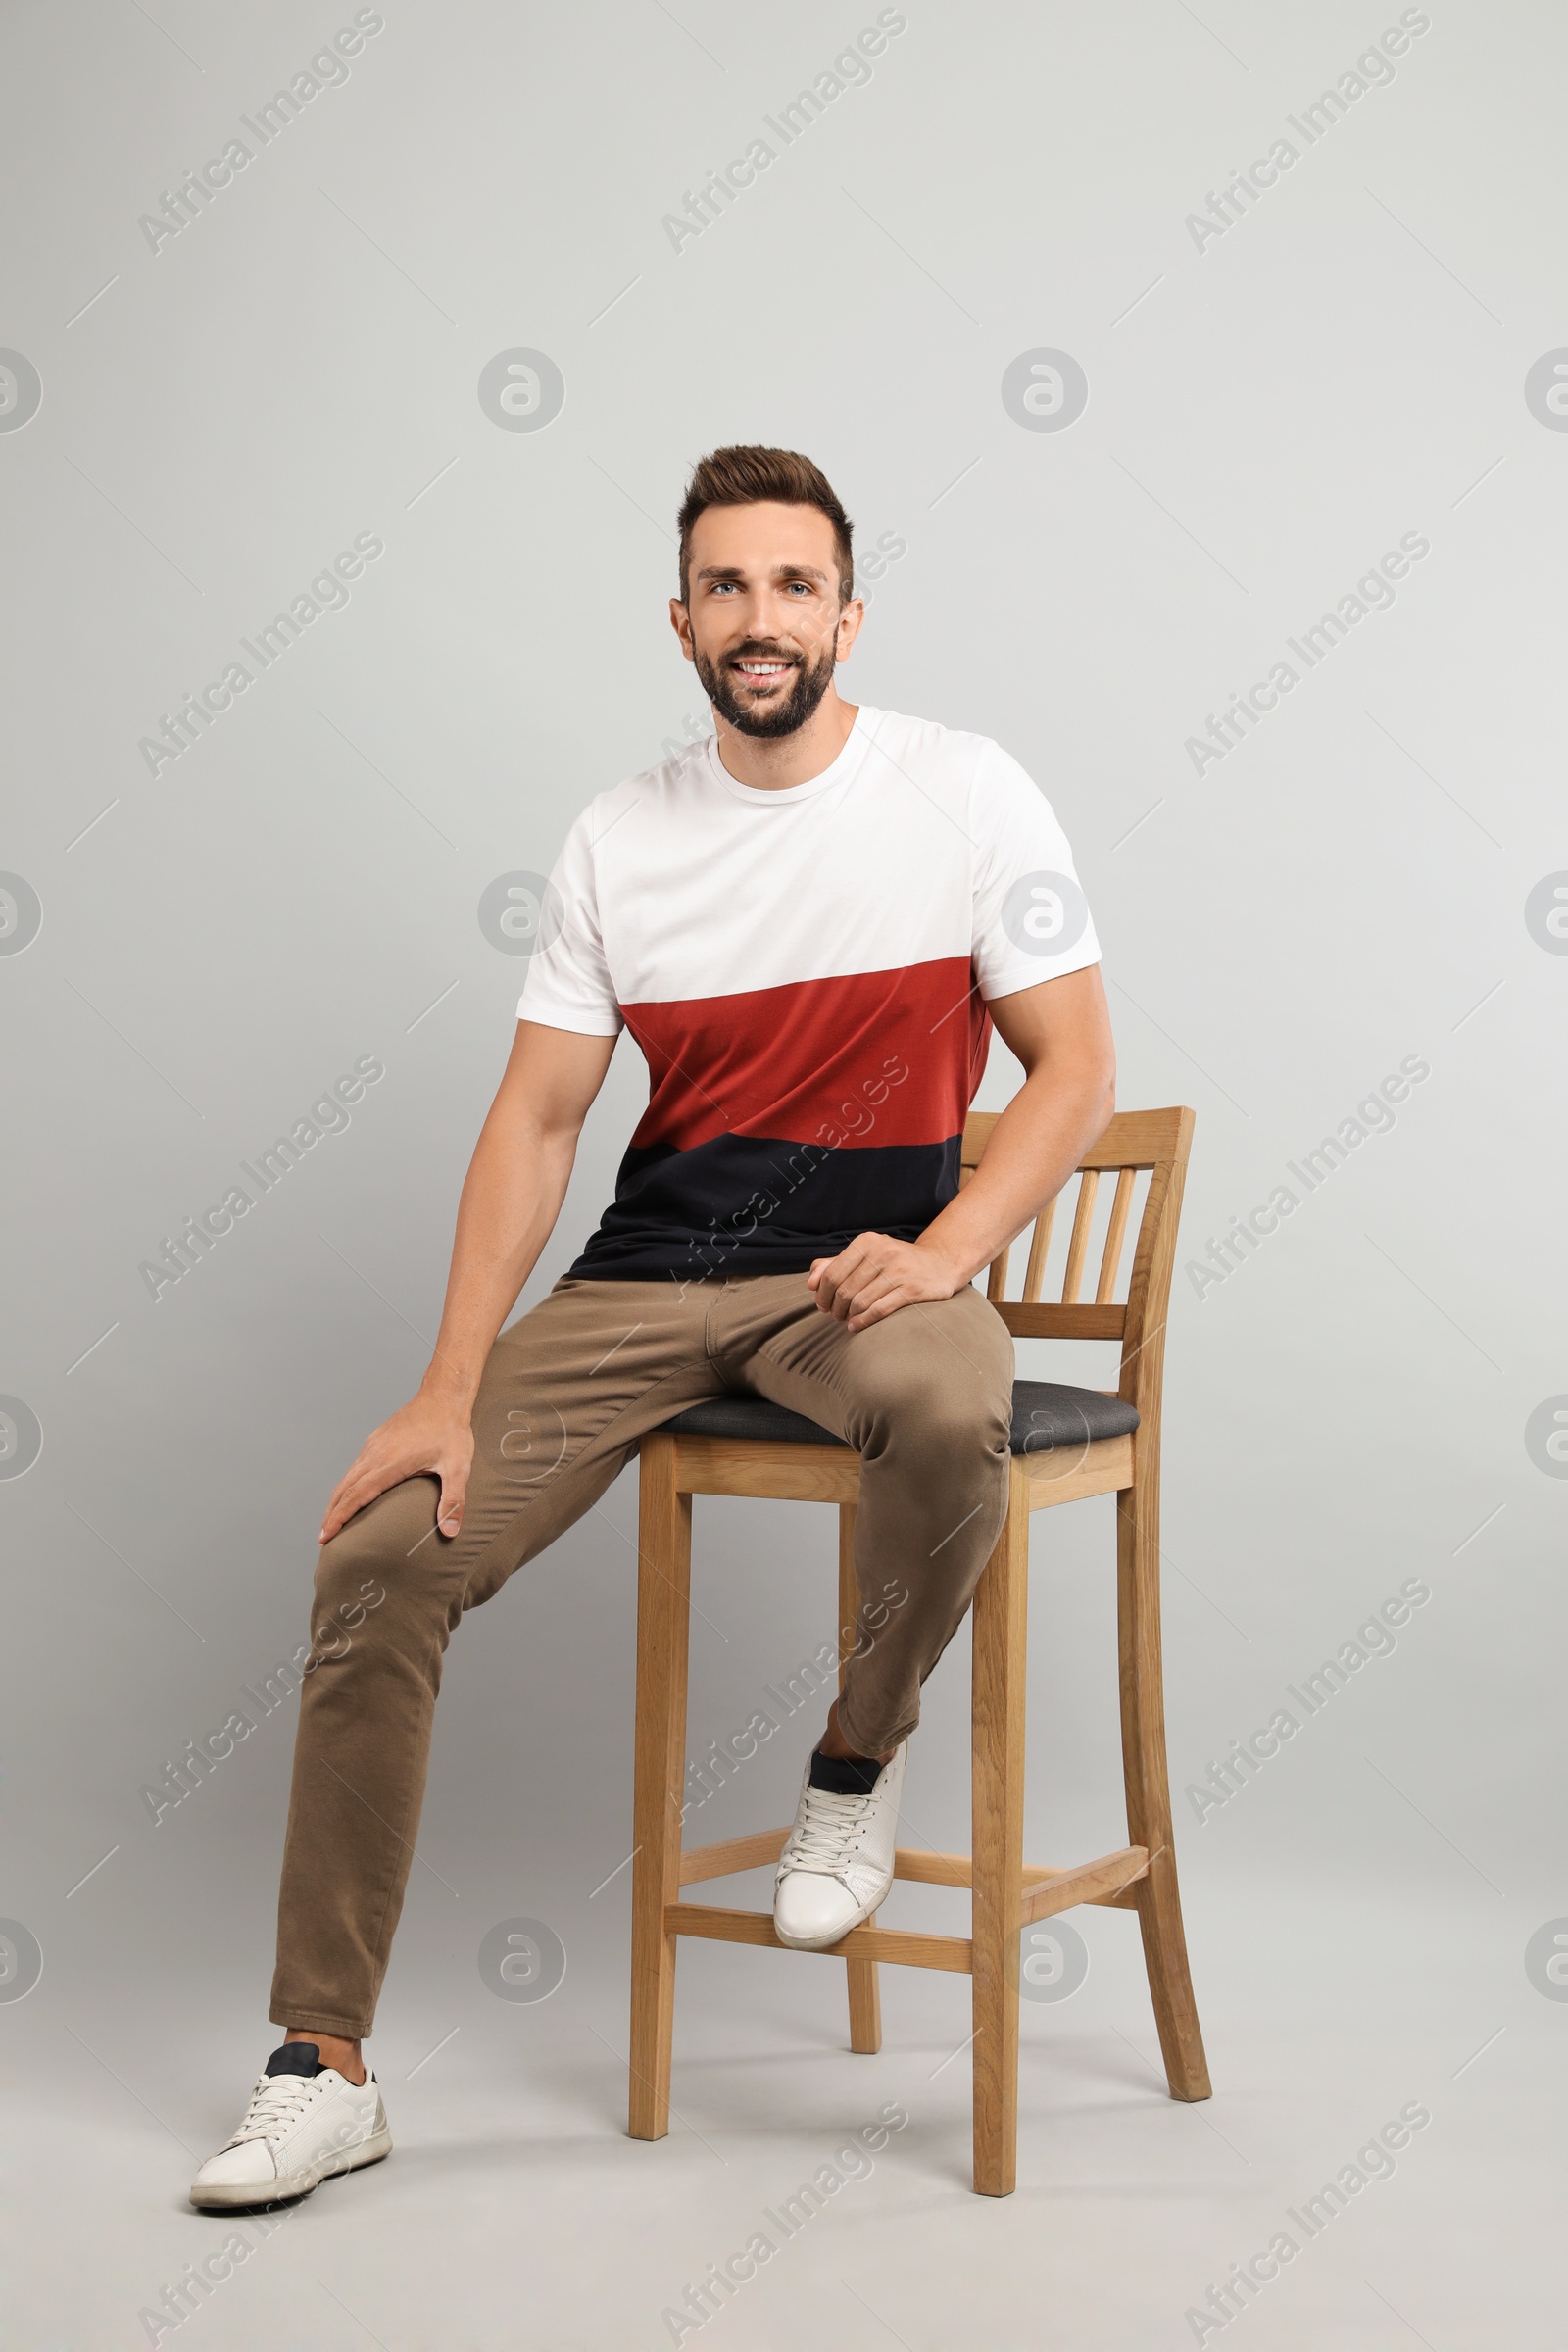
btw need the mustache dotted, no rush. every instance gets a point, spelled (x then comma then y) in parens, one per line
(759, 649)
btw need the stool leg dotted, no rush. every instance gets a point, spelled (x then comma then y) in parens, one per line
(1000, 1620)
(1142, 1740)
(866, 1994)
(664, 1588)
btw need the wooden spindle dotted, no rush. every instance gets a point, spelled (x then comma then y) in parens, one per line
(1111, 1263)
(1035, 1272)
(1078, 1248)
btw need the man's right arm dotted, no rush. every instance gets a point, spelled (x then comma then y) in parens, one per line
(511, 1199)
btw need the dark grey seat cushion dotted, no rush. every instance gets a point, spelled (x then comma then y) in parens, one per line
(1044, 1415)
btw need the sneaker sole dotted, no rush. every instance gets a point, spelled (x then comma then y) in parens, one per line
(292, 2186)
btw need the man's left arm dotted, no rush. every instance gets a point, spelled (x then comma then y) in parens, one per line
(1061, 1032)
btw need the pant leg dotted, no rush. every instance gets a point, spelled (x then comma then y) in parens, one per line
(925, 1397)
(566, 1393)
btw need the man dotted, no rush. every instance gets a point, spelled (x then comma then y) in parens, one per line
(809, 923)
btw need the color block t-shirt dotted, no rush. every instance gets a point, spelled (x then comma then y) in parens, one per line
(807, 972)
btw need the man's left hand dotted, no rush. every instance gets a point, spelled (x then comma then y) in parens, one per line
(875, 1276)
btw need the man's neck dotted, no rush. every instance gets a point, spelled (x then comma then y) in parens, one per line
(772, 763)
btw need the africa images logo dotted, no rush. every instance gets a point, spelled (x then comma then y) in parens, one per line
(521, 390)
(20, 391)
(1045, 390)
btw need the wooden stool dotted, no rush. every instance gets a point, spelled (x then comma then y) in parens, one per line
(1067, 1442)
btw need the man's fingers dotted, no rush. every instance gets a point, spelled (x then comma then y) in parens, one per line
(360, 1484)
(350, 1497)
(339, 1491)
(335, 1514)
(873, 1278)
(887, 1304)
(453, 1495)
(836, 1291)
(831, 1276)
(878, 1299)
(875, 1287)
(868, 1281)
(419, 1442)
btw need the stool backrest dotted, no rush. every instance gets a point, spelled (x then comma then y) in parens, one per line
(1155, 1142)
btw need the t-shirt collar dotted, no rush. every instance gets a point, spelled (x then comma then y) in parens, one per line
(843, 768)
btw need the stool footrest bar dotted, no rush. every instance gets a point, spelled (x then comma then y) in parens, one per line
(1107, 1881)
(1091, 1882)
(700, 1862)
(952, 1952)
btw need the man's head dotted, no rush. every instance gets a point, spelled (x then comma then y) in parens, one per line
(766, 603)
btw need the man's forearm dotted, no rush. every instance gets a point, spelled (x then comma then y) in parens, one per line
(511, 1199)
(1033, 1149)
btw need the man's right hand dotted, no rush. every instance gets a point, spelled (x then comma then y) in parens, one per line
(428, 1435)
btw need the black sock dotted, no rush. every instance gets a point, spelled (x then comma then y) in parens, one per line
(845, 1775)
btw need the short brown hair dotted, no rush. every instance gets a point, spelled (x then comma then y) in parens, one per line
(743, 475)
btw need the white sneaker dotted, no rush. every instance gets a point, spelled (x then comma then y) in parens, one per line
(838, 1864)
(305, 2121)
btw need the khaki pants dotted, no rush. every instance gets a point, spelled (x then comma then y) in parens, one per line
(925, 1399)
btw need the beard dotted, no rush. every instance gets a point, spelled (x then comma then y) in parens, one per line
(736, 703)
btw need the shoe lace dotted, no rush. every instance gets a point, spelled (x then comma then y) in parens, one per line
(827, 1832)
(275, 2102)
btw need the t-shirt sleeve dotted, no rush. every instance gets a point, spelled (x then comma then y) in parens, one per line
(567, 984)
(1031, 919)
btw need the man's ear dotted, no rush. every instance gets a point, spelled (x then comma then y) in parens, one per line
(680, 622)
(849, 628)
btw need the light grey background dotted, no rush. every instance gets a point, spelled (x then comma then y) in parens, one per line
(1268, 411)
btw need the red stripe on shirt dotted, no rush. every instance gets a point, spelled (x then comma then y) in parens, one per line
(864, 1060)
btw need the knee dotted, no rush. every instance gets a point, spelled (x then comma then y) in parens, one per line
(944, 1420)
(375, 1558)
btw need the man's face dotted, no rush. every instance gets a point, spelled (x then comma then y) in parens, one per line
(763, 621)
